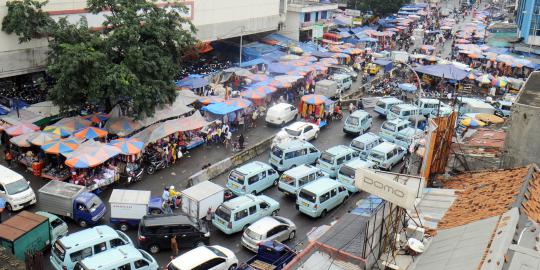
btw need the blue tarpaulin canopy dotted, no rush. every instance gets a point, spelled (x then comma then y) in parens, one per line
(220, 108)
(408, 87)
(322, 54)
(253, 62)
(308, 46)
(447, 71)
(279, 68)
(282, 41)
(256, 50)
(273, 56)
(386, 64)
(192, 81)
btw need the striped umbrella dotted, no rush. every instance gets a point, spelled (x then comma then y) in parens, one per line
(315, 99)
(97, 117)
(21, 140)
(499, 82)
(129, 146)
(90, 133)
(251, 94)
(257, 77)
(210, 100)
(59, 130)
(268, 89)
(332, 61)
(122, 126)
(91, 155)
(41, 138)
(21, 129)
(280, 84)
(238, 102)
(74, 123)
(60, 146)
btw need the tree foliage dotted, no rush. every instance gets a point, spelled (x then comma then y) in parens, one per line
(378, 7)
(26, 19)
(130, 62)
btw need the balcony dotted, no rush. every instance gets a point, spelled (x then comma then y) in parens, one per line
(308, 25)
(302, 6)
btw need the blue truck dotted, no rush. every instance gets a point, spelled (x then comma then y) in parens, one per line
(271, 255)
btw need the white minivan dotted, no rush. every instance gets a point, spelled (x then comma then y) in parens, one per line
(15, 190)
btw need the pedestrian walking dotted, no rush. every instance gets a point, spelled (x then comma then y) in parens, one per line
(254, 117)
(208, 218)
(241, 141)
(174, 245)
(8, 155)
(241, 122)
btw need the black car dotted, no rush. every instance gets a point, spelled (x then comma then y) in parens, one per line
(155, 232)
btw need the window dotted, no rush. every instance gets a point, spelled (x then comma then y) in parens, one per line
(213, 263)
(57, 222)
(304, 180)
(316, 16)
(348, 157)
(307, 17)
(2, 188)
(271, 172)
(126, 266)
(253, 179)
(253, 210)
(312, 150)
(276, 230)
(100, 247)
(241, 214)
(140, 263)
(301, 152)
(81, 254)
(333, 192)
(389, 155)
(340, 160)
(325, 197)
(341, 189)
(263, 205)
(308, 128)
(324, 15)
(290, 155)
(263, 175)
(312, 177)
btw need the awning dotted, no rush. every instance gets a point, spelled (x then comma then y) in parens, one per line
(164, 129)
(220, 108)
(448, 71)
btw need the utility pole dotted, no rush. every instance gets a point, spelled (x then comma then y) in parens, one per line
(241, 39)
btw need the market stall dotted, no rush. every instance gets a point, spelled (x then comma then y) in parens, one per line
(316, 108)
(56, 169)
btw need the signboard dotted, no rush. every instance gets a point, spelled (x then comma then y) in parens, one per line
(318, 30)
(353, 12)
(385, 188)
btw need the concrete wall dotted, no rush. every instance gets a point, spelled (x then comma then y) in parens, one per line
(291, 27)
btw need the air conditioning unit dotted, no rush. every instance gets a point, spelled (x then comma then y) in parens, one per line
(415, 232)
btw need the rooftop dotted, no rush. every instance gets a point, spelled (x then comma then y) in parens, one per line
(530, 93)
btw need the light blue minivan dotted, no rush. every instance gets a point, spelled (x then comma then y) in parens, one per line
(346, 175)
(405, 136)
(390, 128)
(365, 142)
(294, 179)
(125, 257)
(70, 249)
(403, 111)
(286, 155)
(237, 214)
(320, 196)
(386, 155)
(357, 123)
(252, 178)
(334, 157)
(384, 104)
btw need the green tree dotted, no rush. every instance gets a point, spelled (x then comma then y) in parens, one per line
(379, 8)
(26, 19)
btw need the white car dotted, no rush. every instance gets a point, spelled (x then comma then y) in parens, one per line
(268, 228)
(298, 130)
(205, 257)
(280, 114)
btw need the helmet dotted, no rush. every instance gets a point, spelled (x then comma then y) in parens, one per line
(172, 187)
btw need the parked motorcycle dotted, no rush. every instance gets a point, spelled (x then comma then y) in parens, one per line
(154, 163)
(134, 174)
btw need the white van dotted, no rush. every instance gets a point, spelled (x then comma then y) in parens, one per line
(402, 111)
(15, 190)
(344, 82)
(428, 105)
(384, 104)
(294, 179)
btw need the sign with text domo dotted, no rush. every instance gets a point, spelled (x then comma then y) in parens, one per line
(385, 187)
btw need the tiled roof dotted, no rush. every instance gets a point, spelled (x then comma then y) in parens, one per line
(485, 194)
(531, 204)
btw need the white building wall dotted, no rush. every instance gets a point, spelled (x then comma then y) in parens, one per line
(291, 27)
(214, 19)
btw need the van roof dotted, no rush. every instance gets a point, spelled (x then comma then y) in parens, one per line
(406, 106)
(391, 100)
(325, 83)
(239, 201)
(359, 163)
(505, 102)
(398, 121)
(341, 76)
(321, 185)
(164, 220)
(104, 260)
(367, 137)
(429, 100)
(8, 176)
(88, 236)
(48, 215)
(254, 166)
(339, 149)
(409, 131)
(130, 196)
(359, 113)
(384, 147)
(301, 170)
(294, 144)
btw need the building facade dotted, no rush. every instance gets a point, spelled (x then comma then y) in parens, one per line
(528, 21)
(214, 19)
(302, 15)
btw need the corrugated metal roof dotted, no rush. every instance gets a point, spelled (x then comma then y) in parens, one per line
(459, 248)
(322, 261)
(434, 204)
(347, 234)
(523, 258)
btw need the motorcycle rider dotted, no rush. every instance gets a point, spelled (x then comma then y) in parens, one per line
(172, 196)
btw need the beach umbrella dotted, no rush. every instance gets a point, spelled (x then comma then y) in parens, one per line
(319, 67)
(60, 146)
(484, 79)
(288, 78)
(21, 140)
(21, 128)
(90, 133)
(238, 102)
(59, 130)
(257, 77)
(122, 126)
(280, 84)
(210, 100)
(267, 89)
(315, 99)
(408, 87)
(472, 122)
(331, 61)
(251, 94)
(297, 73)
(40, 138)
(91, 155)
(130, 146)
(74, 123)
(499, 82)
(489, 118)
(97, 117)
(309, 58)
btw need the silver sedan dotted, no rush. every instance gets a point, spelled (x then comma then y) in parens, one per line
(268, 228)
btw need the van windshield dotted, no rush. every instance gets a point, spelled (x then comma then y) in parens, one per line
(395, 109)
(358, 144)
(347, 172)
(93, 204)
(59, 251)
(381, 104)
(388, 126)
(223, 212)
(17, 187)
(286, 179)
(327, 157)
(377, 155)
(351, 120)
(308, 196)
(237, 177)
(276, 151)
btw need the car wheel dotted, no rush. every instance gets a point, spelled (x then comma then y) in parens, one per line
(276, 182)
(323, 213)
(292, 235)
(245, 227)
(82, 223)
(154, 249)
(295, 117)
(390, 167)
(275, 212)
(123, 227)
(316, 135)
(345, 199)
(232, 267)
(254, 193)
(199, 244)
(9, 207)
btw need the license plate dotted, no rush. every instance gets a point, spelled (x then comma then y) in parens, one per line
(234, 185)
(221, 221)
(305, 204)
